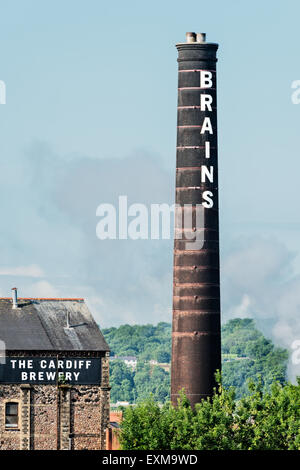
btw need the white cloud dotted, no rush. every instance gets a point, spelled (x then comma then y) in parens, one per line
(242, 310)
(283, 332)
(258, 281)
(26, 271)
(43, 289)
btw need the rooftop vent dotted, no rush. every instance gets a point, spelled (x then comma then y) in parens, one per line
(14, 297)
(68, 320)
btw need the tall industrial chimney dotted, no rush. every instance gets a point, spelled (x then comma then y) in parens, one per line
(196, 341)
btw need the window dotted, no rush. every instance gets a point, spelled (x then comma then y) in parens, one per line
(11, 415)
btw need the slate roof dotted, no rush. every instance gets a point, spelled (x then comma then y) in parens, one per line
(41, 324)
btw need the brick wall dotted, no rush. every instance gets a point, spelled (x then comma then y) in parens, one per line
(57, 417)
(113, 430)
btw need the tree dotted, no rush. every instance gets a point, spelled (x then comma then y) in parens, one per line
(247, 355)
(257, 356)
(151, 381)
(122, 378)
(259, 421)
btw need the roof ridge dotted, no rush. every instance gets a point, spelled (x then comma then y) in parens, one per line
(44, 298)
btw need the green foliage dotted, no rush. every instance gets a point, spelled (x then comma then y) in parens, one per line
(151, 380)
(131, 386)
(246, 352)
(144, 341)
(256, 357)
(256, 422)
(122, 379)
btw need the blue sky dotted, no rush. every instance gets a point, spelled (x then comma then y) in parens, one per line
(91, 114)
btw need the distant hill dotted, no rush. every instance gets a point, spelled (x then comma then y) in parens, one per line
(258, 356)
(143, 341)
(246, 353)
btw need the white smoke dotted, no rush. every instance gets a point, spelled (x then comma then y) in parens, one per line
(259, 282)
